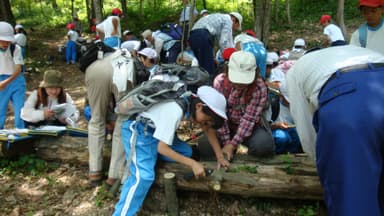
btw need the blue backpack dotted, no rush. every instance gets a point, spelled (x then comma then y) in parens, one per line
(173, 30)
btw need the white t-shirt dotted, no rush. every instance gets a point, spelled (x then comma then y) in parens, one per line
(333, 32)
(7, 64)
(185, 13)
(308, 75)
(107, 27)
(374, 39)
(73, 35)
(166, 117)
(21, 39)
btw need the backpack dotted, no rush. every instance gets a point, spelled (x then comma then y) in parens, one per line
(149, 93)
(91, 54)
(173, 30)
(363, 35)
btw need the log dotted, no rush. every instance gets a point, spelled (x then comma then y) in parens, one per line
(281, 176)
(170, 193)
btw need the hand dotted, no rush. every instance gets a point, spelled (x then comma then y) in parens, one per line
(228, 150)
(222, 162)
(198, 170)
(3, 85)
(48, 113)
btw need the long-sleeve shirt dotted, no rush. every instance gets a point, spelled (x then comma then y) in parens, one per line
(32, 114)
(219, 26)
(243, 109)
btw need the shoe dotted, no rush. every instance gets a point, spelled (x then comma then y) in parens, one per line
(96, 179)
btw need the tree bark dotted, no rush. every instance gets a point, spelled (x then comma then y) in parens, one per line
(288, 8)
(98, 9)
(6, 12)
(262, 11)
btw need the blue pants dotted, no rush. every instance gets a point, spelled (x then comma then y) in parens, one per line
(201, 43)
(350, 143)
(70, 52)
(14, 92)
(142, 165)
(112, 42)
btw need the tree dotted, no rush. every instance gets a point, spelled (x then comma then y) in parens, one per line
(262, 11)
(98, 10)
(340, 17)
(6, 12)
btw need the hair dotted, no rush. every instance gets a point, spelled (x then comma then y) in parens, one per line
(42, 97)
(218, 120)
(153, 61)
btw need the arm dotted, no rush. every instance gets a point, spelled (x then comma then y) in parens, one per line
(226, 38)
(213, 140)
(115, 23)
(29, 112)
(196, 167)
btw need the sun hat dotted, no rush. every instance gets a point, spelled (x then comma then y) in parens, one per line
(228, 52)
(213, 99)
(203, 11)
(272, 57)
(146, 33)
(6, 32)
(299, 42)
(325, 18)
(126, 32)
(238, 17)
(148, 52)
(242, 67)
(52, 78)
(18, 26)
(371, 3)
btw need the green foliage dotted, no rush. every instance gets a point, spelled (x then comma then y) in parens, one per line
(247, 169)
(29, 165)
(308, 210)
(102, 196)
(287, 163)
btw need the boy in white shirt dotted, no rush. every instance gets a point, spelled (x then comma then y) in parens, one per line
(333, 34)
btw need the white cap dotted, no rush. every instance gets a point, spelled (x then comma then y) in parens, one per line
(6, 32)
(272, 57)
(146, 33)
(148, 52)
(203, 11)
(238, 17)
(242, 67)
(299, 42)
(126, 32)
(18, 26)
(213, 99)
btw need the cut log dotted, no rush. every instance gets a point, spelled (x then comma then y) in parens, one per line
(170, 194)
(282, 176)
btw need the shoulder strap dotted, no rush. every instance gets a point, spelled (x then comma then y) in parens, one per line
(363, 35)
(12, 47)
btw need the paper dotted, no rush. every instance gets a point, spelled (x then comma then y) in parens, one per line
(63, 110)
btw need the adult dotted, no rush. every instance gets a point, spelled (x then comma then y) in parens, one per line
(246, 96)
(371, 33)
(298, 49)
(111, 29)
(332, 33)
(12, 81)
(337, 93)
(207, 30)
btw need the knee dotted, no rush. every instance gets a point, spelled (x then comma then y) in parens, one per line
(263, 146)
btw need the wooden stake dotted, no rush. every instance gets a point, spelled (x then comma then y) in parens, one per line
(170, 194)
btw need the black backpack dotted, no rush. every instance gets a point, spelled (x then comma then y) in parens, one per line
(91, 54)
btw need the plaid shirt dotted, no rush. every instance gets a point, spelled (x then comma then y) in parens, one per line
(219, 26)
(242, 113)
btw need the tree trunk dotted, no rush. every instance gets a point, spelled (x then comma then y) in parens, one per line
(55, 6)
(262, 11)
(289, 19)
(89, 13)
(6, 12)
(340, 18)
(98, 9)
(276, 11)
(124, 9)
(205, 4)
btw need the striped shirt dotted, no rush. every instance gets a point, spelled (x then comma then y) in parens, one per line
(219, 26)
(244, 109)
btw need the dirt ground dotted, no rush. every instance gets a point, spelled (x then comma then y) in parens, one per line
(64, 190)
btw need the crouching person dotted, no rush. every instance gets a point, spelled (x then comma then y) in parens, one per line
(153, 132)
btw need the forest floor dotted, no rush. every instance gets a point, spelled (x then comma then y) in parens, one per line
(63, 189)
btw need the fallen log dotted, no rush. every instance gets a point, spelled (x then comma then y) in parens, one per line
(282, 176)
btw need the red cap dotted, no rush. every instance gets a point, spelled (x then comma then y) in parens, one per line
(70, 26)
(371, 3)
(250, 33)
(97, 37)
(325, 18)
(117, 12)
(227, 53)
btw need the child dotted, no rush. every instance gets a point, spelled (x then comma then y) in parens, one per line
(71, 49)
(21, 38)
(12, 82)
(332, 33)
(39, 107)
(153, 132)
(371, 33)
